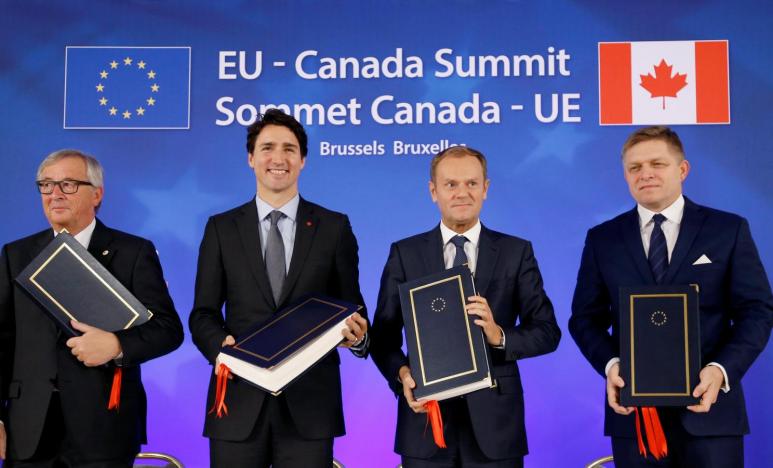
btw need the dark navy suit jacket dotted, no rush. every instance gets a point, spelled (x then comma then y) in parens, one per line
(736, 306)
(508, 277)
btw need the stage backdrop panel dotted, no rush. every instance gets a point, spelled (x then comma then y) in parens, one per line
(381, 86)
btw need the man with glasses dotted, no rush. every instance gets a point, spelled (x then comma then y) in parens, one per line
(54, 391)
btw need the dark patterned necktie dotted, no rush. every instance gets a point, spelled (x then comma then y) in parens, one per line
(658, 254)
(461, 257)
(275, 257)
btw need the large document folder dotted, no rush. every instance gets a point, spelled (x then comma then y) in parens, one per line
(447, 351)
(72, 285)
(659, 345)
(273, 354)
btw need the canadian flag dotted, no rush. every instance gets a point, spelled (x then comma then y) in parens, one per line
(666, 82)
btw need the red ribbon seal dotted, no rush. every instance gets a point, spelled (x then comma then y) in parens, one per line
(435, 420)
(223, 373)
(115, 390)
(656, 439)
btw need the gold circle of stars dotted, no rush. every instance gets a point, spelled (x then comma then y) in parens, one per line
(658, 318)
(438, 304)
(127, 63)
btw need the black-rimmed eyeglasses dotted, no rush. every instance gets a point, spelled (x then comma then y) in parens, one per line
(68, 186)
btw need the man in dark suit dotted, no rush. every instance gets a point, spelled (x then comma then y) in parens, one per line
(256, 259)
(668, 239)
(54, 391)
(486, 427)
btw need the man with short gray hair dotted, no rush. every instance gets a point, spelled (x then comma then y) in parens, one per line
(54, 391)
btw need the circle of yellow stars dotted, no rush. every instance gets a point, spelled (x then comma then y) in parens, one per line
(658, 318)
(114, 67)
(438, 304)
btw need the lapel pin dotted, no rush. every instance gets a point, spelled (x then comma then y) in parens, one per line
(105, 252)
(308, 223)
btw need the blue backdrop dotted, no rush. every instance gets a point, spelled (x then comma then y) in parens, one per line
(550, 181)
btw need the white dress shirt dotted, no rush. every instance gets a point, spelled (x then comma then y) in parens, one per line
(670, 225)
(470, 247)
(286, 225)
(84, 237)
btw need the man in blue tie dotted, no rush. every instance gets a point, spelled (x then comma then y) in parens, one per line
(667, 239)
(485, 428)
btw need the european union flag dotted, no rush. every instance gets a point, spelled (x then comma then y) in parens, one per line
(127, 87)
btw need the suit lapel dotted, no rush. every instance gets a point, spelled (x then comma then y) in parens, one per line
(37, 244)
(99, 245)
(692, 220)
(433, 253)
(40, 242)
(631, 233)
(249, 230)
(488, 253)
(305, 227)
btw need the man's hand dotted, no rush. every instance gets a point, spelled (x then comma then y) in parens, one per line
(3, 438)
(228, 341)
(711, 380)
(614, 384)
(408, 386)
(357, 326)
(479, 306)
(95, 347)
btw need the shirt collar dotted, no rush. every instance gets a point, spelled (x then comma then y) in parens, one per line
(472, 234)
(673, 213)
(84, 237)
(290, 209)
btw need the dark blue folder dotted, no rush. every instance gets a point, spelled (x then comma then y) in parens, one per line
(659, 345)
(72, 285)
(447, 351)
(290, 329)
(275, 353)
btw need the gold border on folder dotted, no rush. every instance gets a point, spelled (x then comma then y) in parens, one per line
(268, 358)
(458, 279)
(88, 267)
(686, 347)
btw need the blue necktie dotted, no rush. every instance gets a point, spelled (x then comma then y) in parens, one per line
(275, 257)
(658, 254)
(461, 257)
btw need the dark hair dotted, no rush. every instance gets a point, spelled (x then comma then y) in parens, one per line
(277, 117)
(655, 132)
(457, 152)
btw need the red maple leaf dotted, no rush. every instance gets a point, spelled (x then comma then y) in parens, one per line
(663, 84)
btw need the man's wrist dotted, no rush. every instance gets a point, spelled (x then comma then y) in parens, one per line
(612, 362)
(401, 373)
(501, 343)
(359, 348)
(725, 387)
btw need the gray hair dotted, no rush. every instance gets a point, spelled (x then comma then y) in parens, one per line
(94, 171)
